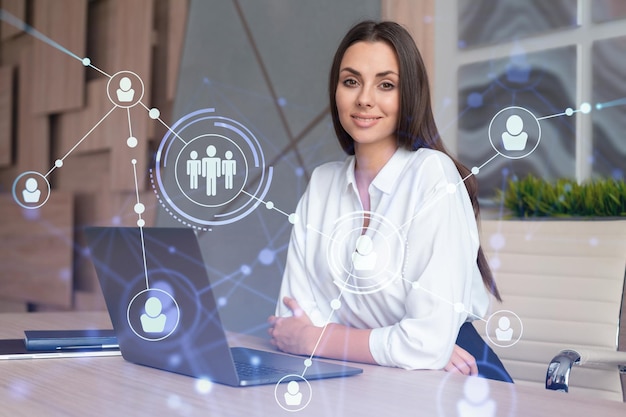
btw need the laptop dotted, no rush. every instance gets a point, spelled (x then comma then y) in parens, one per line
(163, 310)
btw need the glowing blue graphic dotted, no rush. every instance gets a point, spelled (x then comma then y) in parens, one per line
(219, 173)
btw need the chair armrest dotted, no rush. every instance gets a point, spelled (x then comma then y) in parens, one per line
(557, 377)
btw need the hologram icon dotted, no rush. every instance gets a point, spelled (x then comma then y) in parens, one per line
(31, 192)
(504, 332)
(476, 401)
(211, 169)
(514, 138)
(125, 93)
(293, 396)
(364, 257)
(194, 166)
(229, 169)
(153, 320)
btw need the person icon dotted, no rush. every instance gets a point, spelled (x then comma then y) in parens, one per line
(514, 138)
(31, 192)
(125, 93)
(504, 332)
(293, 396)
(476, 402)
(194, 166)
(229, 169)
(211, 169)
(153, 320)
(364, 257)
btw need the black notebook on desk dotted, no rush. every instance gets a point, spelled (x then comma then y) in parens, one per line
(46, 340)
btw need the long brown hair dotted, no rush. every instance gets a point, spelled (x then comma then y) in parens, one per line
(417, 129)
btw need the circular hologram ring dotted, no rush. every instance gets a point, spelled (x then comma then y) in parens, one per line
(504, 328)
(210, 170)
(364, 263)
(153, 314)
(514, 132)
(31, 190)
(293, 393)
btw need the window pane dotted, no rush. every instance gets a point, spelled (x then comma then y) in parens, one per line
(607, 10)
(609, 116)
(531, 88)
(484, 22)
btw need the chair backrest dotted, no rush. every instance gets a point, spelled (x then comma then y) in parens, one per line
(565, 281)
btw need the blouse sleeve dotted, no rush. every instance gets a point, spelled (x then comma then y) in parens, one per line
(295, 282)
(441, 264)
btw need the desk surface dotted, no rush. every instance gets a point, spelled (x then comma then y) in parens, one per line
(106, 386)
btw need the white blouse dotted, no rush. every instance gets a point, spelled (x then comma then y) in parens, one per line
(413, 279)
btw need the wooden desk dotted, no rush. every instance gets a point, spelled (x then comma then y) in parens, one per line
(110, 386)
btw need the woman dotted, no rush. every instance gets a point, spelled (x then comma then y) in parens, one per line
(403, 191)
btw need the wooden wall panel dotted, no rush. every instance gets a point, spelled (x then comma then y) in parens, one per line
(6, 115)
(36, 254)
(33, 131)
(18, 9)
(177, 24)
(72, 126)
(134, 34)
(59, 78)
(97, 176)
(418, 18)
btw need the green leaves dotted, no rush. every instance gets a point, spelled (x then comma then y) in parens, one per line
(536, 197)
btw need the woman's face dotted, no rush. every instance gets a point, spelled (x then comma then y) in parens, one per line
(368, 95)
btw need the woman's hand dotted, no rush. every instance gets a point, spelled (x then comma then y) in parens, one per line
(295, 334)
(462, 362)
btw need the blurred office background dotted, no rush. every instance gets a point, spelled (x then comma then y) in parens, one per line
(264, 64)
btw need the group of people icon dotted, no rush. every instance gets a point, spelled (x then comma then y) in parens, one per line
(211, 167)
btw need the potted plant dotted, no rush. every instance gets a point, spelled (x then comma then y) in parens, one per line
(532, 197)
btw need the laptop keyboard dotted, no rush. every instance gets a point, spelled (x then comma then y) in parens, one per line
(245, 369)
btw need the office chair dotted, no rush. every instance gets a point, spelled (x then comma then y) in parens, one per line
(564, 280)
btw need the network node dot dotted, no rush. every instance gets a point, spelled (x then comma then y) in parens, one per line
(459, 307)
(335, 304)
(569, 111)
(269, 205)
(141, 222)
(133, 161)
(245, 269)
(203, 386)
(415, 285)
(139, 208)
(154, 113)
(585, 108)
(86, 62)
(131, 142)
(293, 218)
(58, 163)
(599, 106)
(475, 170)
(308, 363)
(451, 188)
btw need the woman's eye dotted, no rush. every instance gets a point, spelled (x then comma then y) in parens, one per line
(349, 82)
(387, 86)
